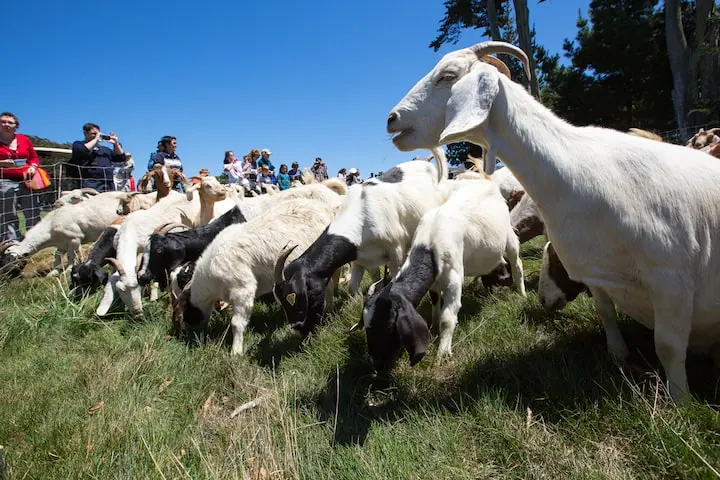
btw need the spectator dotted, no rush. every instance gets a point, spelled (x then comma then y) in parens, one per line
(237, 170)
(169, 157)
(342, 175)
(233, 168)
(265, 160)
(319, 170)
(96, 162)
(283, 178)
(204, 172)
(295, 173)
(151, 161)
(267, 177)
(353, 177)
(18, 161)
(121, 175)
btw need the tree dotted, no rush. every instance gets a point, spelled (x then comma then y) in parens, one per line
(493, 17)
(457, 153)
(694, 66)
(619, 75)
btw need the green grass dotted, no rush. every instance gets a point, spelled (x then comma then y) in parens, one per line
(526, 395)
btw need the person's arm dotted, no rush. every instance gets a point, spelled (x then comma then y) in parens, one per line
(117, 146)
(91, 144)
(80, 154)
(33, 160)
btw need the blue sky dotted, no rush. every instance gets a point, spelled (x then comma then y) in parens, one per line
(303, 79)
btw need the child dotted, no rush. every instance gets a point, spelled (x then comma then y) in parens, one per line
(283, 178)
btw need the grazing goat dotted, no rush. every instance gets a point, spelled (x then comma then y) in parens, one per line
(238, 265)
(130, 240)
(467, 236)
(165, 252)
(374, 226)
(89, 275)
(65, 229)
(640, 231)
(555, 288)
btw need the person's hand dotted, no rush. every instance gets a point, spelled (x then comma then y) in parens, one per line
(113, 138)
(6, 163)
(30, 172)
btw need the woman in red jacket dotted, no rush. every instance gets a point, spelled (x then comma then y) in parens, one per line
(18, 162)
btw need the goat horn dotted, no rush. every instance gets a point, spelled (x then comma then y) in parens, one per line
(497, 63)
(280, 263)
(486, 48)
(116, 263)
(7, 244)
(167, 227)
(182, 176)
(90, 191)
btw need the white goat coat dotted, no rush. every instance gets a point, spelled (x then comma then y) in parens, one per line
(380, 218)
(636, 220)
(468, 236)
(69, 226)
(131, 238)
(238, 266)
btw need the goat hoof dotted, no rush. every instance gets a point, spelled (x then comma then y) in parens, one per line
(53, 273)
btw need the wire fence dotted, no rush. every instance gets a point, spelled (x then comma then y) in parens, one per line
(676, 136)
(22, 208)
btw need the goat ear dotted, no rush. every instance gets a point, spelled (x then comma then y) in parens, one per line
(190, 190)
(413, 332)
(470, 102)
(108, 297)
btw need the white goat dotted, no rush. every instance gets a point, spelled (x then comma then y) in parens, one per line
(238, 265)
(637, 221)
(73, 197)
(65, 228)
(130, 240)
(466, 236)
(374, 226)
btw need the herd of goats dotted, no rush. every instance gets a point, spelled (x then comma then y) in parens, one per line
(630, 219)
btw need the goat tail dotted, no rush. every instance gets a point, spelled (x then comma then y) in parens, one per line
(336, 185)
(442, 164)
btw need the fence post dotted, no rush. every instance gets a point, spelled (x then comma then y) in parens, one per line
(58, 180)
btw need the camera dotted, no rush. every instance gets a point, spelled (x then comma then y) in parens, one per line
(104, 137)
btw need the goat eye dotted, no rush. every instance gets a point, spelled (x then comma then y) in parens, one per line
(447, 77)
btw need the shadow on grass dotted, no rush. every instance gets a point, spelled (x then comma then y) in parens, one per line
(569, 375)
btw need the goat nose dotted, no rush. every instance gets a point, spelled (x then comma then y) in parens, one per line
(392, 117)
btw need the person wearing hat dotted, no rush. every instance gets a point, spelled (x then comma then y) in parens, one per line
(122, 174)
(351, 177)
(265, 159)
(267, 177)
(204, 172)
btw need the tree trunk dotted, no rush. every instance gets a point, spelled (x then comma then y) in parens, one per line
(703, 59)
(522, 21)
(493, 20)
(679, 56)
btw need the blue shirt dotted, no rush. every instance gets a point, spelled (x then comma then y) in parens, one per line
(267, 162)
(96, 163)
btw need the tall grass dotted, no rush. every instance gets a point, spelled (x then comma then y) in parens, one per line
(526, 395)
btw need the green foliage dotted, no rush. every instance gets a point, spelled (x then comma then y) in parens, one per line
(44, 142)
(457, 153)
(620, 74)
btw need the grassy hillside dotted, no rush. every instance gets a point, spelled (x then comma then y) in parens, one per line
(527, 395)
